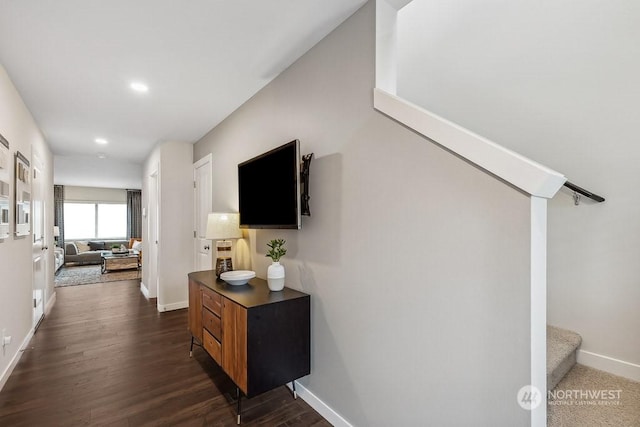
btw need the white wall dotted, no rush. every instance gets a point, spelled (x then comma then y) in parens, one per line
(16, 314)
(557, 82)
(91, 171)
(173, 161)
(176, 224)
(417, 262)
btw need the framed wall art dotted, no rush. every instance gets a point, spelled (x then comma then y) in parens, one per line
(23, 196)
(5, 201)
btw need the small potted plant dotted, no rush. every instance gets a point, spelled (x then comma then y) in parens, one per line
(275, 272)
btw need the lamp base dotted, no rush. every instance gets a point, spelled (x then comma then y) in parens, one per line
(222, 265)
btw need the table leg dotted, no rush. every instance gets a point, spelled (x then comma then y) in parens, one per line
(239, 400)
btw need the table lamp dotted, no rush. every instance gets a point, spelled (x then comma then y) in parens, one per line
(56, 233)
(220, 227)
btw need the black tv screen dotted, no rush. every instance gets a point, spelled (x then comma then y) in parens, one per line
(269, 189)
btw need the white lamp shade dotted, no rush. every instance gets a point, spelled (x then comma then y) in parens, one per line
(56, 231)
(222, 226)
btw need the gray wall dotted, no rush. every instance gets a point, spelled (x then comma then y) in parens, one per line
(557, 82)
(417, 262)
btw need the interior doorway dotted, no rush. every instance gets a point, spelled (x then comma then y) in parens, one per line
(39, 252)
(202, 178)
(154, 234)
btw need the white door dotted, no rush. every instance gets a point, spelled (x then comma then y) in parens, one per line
(39, 254)
(202, 171)
(154, 234)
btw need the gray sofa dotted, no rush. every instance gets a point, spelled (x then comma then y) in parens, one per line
(76, 253)
(58, 256)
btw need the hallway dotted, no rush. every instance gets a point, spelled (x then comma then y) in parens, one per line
(105, 356)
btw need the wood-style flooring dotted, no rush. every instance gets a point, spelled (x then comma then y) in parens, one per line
(105, 357)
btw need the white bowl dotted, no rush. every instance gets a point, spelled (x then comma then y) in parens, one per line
(237, 277)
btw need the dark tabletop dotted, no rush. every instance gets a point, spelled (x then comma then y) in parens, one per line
(253, 294)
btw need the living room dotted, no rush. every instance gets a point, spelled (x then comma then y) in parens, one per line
(93, 225)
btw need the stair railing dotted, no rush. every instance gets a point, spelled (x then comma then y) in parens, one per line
(578, 192)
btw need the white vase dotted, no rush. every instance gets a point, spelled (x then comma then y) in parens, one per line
(275, 276)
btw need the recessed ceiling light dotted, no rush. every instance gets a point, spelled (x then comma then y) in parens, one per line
(101, 141)
(102, 156)
(139, 87)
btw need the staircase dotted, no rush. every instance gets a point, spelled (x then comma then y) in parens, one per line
(562, 346)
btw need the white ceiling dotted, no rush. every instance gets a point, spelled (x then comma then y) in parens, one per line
(73, 60)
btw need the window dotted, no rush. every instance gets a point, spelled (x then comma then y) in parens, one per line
(95, 220)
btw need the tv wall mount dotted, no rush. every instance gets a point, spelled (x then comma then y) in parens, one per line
(304, 184)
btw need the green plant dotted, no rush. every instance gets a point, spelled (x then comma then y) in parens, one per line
(115, 246)
(276, 249)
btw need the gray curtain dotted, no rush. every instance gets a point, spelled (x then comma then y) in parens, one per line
(58, 211)
(134, 213)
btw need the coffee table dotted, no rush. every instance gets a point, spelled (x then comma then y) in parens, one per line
(126, 261)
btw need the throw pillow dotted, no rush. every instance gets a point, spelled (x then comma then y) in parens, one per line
(96, 246)
(82, 246)
(72, 249)
(137, 245)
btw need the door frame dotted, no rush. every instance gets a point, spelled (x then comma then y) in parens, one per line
(153, 228)
(206, 161)
(39, 258)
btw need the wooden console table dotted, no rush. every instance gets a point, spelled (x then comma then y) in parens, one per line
(260, 339)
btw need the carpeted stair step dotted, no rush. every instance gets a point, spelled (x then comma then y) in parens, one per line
(562, 346)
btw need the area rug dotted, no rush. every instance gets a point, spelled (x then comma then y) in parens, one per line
(86, 274)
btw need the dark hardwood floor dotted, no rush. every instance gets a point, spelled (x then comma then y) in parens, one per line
(105, 356)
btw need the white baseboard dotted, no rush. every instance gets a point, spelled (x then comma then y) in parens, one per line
(16, 358)
(609, 364)
(174, 306)
(50, 304)
(144, 290)
(322, 408)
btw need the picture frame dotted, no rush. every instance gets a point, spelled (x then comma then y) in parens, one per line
(22, 214)
(5, 191)
(4, 154)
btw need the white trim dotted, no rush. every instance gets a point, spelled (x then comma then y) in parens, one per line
(399, 4)
(386, 37)
(609, 364)
(50, 304)
(322, 408)
(529, 176)
(538, 283)
(144, 290)
(174, 306)
(203, 160)
(16, 358)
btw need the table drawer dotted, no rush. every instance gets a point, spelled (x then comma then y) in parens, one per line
(211, 323)
(212, 300)
(212, 346)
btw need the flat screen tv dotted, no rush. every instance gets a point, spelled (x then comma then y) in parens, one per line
(269, 189)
